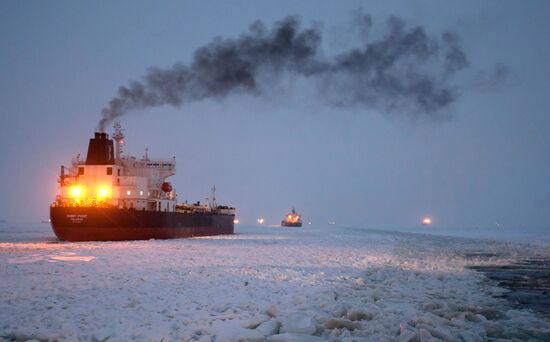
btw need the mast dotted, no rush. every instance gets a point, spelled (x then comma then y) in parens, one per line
(213, 196)
(118, 135)
(62, 176)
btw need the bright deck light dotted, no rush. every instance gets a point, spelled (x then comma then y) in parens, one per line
(76, 191)
(103, 192)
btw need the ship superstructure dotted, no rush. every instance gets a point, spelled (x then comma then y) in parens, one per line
(115, 196)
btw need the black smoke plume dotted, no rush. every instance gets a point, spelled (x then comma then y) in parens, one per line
(405, 71)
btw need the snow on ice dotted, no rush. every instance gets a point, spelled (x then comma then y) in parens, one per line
(262, 284)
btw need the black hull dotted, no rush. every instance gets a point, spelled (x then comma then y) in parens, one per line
(289, 224)
(112, 224)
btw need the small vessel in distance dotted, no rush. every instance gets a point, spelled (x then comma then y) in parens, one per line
(292, 219)
(113, 196)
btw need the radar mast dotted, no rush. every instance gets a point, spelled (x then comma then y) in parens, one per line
(118, 135)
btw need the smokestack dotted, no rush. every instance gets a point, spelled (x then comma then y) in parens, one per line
(406, 71)
(100, 150)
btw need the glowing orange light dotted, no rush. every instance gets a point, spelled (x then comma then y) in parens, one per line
(427, 221)
(76, 191)
(260, 220)
(103, 192)
(293, 218)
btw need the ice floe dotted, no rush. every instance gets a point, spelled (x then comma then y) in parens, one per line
(263, 284)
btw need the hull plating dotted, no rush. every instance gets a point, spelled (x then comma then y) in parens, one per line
(290, 224)
(111, 224)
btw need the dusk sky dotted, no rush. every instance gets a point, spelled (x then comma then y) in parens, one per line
(361, 157)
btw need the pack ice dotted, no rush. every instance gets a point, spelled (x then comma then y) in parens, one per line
(262, 284)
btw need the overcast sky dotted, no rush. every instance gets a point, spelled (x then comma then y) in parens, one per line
(61, 63)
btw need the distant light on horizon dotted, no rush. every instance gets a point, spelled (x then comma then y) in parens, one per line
(427, 221)
(260, 220)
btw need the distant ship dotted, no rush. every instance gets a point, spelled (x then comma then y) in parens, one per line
(111, 196)
(292, 219)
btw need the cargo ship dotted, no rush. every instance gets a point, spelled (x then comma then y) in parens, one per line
(112, 196)
(292, 219)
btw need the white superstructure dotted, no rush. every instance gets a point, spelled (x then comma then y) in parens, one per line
(127, 182)
(111, 178)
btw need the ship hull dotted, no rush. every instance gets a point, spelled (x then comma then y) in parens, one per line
(290, 224)
(113, 224)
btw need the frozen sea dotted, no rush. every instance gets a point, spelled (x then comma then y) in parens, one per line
(263, 284)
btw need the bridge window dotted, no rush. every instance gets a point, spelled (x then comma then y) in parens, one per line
(109, 171)
(80, 170)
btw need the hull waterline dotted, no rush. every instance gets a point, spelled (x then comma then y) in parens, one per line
(290, 224)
